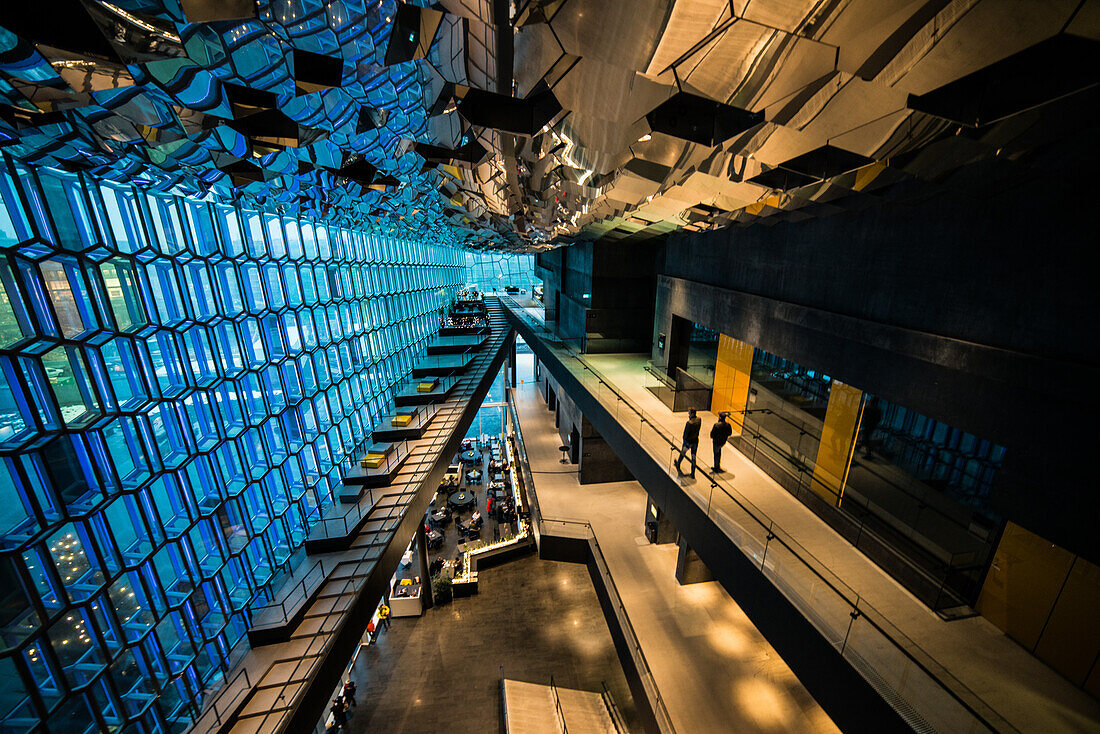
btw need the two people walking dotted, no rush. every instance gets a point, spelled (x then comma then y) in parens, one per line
(719, 434)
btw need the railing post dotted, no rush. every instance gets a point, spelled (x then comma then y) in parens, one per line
(767, 544)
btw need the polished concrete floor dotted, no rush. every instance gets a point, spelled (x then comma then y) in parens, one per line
(441, 672)
(715, 671)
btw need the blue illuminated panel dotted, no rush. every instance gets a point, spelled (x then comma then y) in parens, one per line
(496, 271)
(182, 386)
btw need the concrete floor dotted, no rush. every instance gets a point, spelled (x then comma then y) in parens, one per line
(714, 670)
(441, 672)
(1014, 683)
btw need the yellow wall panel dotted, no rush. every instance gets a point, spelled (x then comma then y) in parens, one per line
(1071, 638)
(1023, 583)
(732, 372)
(837, 438)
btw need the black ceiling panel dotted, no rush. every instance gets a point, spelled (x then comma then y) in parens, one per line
(700, 120)
(781, 178)
(1039, 74)
(510, 114)
(826, 162)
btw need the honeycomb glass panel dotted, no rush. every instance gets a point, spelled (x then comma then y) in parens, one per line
(13, 318)
(14, 412)
(68, 301)
(76, 568)
(124, 373)
(183, 382)
(122, 292)
(67, 373)
(13, 222)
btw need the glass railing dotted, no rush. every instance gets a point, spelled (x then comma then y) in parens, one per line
(939, 550)
(803, 434)
(289, 599)
(921, 690)
(613, 710)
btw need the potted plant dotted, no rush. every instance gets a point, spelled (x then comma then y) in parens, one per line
(441, 588)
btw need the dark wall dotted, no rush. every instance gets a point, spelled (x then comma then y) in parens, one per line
(967, 300)
(548, 268)
(998, 267)
(606, 293)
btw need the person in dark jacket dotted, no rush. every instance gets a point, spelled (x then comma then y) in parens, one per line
(339, 712)
(691, 440)
(719, 435)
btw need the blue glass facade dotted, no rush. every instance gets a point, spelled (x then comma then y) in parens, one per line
(182, 385)
(496, 271)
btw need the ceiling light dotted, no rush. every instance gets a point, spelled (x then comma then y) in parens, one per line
(645, 138)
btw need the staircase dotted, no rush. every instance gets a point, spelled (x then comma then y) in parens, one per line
(532, 708)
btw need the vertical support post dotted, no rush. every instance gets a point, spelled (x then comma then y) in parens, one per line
(690, 568)
(426, 599)
(512, 361)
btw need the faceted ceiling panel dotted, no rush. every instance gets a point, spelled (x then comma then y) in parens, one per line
(458, 123)
(316, 108)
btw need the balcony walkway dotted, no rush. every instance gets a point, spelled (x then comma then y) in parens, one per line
(1014, 690)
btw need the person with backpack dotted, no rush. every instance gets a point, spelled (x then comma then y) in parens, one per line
(384, 616)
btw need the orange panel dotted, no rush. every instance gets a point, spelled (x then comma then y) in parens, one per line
(834, 453)
(1071, 638)
(1023, 583)
(731, 380)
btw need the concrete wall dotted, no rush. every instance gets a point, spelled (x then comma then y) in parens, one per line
(598, 462)
(606, 293)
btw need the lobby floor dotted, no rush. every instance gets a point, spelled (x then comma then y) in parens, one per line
(441, 672)
(714, 670)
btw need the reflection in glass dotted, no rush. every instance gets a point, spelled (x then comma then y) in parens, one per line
(56, 279)
(120, 281)
(68, 378)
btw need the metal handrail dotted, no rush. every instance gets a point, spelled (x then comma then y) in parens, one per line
(222, 710)
(557, 707)
(291, 596)
(661, 375)
(612, 709)
(860, 607)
